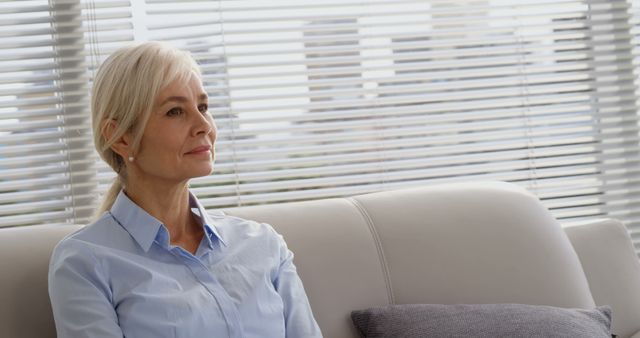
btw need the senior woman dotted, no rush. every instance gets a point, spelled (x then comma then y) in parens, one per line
(155, 263)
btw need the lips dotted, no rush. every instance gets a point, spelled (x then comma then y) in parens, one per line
(200, 149)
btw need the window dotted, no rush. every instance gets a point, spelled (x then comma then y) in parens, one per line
(47, 163)
(318, 99)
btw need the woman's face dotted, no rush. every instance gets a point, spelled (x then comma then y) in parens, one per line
(178, 141)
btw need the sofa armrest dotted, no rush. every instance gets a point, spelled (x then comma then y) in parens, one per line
(637, 335)
(612, 268)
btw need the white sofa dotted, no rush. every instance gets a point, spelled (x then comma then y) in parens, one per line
(465, 243)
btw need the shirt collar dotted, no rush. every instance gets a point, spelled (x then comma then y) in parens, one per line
(144, 228)
(206, 219)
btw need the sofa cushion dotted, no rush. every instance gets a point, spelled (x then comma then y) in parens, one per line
(335, 256)
(481, 320)
(474, 243)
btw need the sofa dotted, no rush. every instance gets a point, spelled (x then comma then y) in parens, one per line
(469, 243)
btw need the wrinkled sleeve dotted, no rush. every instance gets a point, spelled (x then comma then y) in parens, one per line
(299, 320)
(79, 293)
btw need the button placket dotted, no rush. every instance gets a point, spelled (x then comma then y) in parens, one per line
(216, 290)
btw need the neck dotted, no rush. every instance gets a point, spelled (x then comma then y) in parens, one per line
(169, 203)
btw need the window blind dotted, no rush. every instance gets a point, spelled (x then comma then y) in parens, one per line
(318, 99)
(322, 99)
(47, 161)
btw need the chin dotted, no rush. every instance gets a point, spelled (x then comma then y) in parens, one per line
(200, 172)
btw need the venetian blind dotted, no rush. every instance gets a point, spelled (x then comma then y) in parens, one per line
(329, 98)
(47, 161)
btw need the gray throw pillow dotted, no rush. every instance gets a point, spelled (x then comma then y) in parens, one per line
(482, 321)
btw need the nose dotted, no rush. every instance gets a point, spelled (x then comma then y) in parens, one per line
(203, 123)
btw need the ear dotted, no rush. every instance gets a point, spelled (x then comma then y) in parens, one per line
(122, 145)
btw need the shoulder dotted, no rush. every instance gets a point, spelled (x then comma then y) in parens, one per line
(234, 229)
(240, 226)
(86, 243)
(78, 262)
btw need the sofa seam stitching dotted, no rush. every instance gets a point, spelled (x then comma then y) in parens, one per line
(378, 244)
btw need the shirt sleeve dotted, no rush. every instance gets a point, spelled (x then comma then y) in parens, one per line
(299, 320)
(80, 296)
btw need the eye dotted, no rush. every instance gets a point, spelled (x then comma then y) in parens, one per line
(174, 112)
(203, 108)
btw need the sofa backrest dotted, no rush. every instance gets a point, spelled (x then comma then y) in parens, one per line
(25, 310)
(461, 243)
(471, 243)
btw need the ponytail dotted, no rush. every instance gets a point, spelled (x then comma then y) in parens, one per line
(110, 196)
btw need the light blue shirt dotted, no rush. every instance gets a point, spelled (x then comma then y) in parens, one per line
(121, 277)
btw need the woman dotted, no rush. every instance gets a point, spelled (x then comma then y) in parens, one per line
(155, 263)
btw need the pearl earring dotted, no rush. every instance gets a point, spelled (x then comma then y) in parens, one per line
(130, 158)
